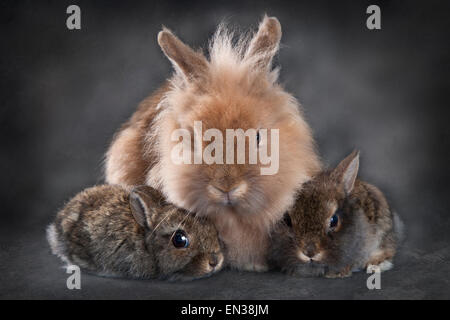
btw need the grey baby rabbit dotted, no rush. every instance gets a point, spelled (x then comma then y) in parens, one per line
(337, 225)
(110, 231)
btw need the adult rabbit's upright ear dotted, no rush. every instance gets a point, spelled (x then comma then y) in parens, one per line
(146, 204)
(190, 64)
(265, 43)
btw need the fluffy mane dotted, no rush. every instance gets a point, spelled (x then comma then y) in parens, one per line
(234, 56)
(231, 51)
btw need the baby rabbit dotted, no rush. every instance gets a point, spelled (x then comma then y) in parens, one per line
(337, 225)
(112, 232)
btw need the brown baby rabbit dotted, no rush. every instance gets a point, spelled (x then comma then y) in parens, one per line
(337, 225)
(112, 232)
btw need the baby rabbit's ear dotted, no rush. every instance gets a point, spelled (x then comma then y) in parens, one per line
(186, 61)
(145, 203)
(265, 43)
(347, 171)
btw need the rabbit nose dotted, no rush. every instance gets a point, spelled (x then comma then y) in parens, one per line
(229, 194)
(213, 260)
(310, 251)
(225, 193)
(222, 189)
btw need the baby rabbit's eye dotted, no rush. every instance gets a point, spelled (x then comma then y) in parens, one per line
(180, 240)
(287, 220)
(334, 221)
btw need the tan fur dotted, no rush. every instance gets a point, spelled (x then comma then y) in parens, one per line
(235, 89)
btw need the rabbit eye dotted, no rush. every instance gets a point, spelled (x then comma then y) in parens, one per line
(180, 239)
(287, 220)
(334, 221)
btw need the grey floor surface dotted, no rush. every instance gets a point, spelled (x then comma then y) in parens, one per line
(29, 271)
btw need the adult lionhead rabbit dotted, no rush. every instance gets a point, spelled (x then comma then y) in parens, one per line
(235, 88)
(337, 225)
(110, 231)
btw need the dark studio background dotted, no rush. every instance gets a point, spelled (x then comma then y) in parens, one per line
(64, 93)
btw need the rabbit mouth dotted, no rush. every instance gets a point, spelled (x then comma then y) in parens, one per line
(183, 277)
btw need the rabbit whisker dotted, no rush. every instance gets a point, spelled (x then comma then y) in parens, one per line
(162, 220)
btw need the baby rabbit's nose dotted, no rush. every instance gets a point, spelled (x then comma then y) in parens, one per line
(213, 260)
(310, 251)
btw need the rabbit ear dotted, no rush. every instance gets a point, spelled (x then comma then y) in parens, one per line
(265, 43)
(145, 203)
(347, 171)
(185, 60)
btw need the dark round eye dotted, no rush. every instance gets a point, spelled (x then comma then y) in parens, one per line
(334, 221)
(258, 138)
(180, 240)
(287, 220)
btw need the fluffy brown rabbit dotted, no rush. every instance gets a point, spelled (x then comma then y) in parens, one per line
(112, 232)
(235, 88)
(338, 225)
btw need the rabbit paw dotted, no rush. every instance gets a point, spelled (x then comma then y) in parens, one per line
(381, 260)
(381, 266)
(256, 267)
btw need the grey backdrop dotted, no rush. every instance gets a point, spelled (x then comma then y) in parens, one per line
(64, 93)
